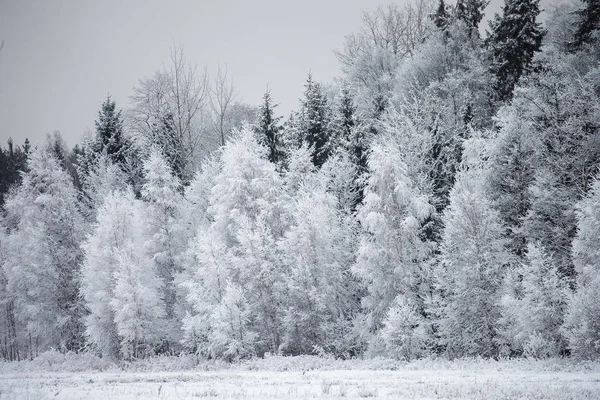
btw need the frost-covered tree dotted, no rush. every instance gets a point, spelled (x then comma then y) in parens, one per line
(534, 312)
(103, 178)
(230, 337)
(109, 144)
(393, 251)
(167, 240)
(320, 294)
(404, 331)
(473, 253)
(119, 283)
(370, 57)
(240, 245)
(582, 322)
(136, 302)
(445, 89)
(43, 256)
(170, 111)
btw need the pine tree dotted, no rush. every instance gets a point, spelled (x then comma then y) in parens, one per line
(268, 129)
(513, 41)
(513, 160)
(349, 137)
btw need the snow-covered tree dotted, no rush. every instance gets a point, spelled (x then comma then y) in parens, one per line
(514, 39)
(230, 337)
(473, 253)
(43, 255)
(404, 331)
(317, 250)
(136, 302)
(240, 245)
(536, 309)
(119, 283)
(582, 322)
(167, 240)
(393, 252)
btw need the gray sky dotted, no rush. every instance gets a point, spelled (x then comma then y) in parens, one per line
(62, 57)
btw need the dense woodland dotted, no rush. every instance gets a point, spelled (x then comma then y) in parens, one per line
(441, 197)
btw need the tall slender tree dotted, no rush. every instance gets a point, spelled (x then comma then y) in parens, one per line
(268, 128)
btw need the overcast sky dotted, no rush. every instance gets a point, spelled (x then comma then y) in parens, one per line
(61, 58)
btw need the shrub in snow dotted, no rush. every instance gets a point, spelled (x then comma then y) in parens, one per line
(230, 336)
(404, 332)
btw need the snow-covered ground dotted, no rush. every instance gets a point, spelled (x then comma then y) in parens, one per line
(302, 377)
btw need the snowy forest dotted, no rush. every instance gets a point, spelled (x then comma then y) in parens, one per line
(440, 197)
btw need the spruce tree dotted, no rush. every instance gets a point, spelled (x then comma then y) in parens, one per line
(589, 22)
(471, 13)
(515, 38)
(441, 18)
(268, 128)
(314, 121)
(109, 132)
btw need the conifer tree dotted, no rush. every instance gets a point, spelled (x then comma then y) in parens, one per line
(471, 13)
(268, 129)
(589, 24)
(314, 121)
(441, 18)
(515, 37)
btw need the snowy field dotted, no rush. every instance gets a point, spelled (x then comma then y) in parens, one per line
(304, 377)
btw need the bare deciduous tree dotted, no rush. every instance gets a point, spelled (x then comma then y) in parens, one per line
(389, 34)
(222, 96)
(169, 110)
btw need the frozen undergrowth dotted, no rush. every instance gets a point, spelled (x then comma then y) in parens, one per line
(54, 361)
(53, 375)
